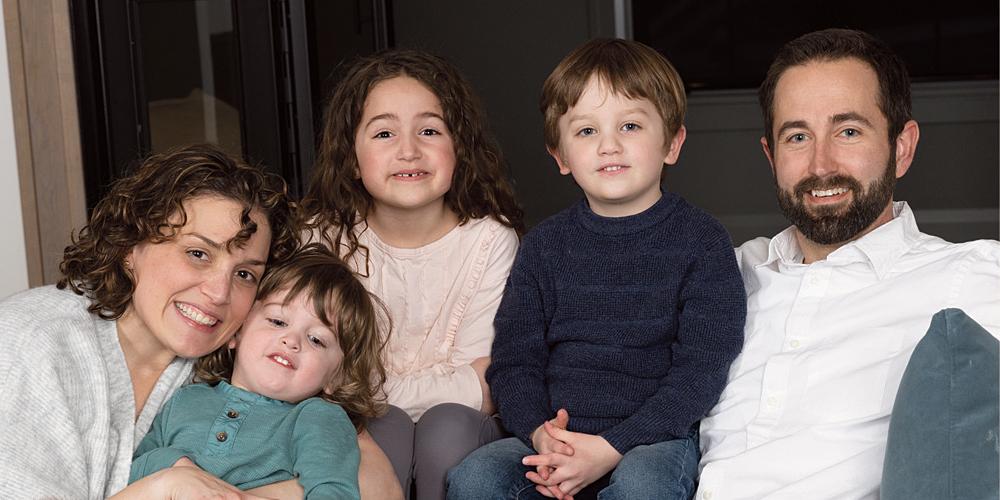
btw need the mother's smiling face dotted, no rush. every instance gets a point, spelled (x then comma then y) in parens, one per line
(174, 250)
(193, 290)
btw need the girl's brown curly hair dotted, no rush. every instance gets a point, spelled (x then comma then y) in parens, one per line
(145, 205)
(342, 303)
(337, 200)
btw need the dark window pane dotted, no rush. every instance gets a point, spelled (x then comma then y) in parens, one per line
(718, 45)
(189, 67)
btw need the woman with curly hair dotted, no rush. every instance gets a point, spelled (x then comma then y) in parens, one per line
(307, 363)
(411, 190)
(165, 271)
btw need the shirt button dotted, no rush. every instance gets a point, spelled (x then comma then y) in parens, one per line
(795, 344)
(772, 401)
(222, 437)
(232, 413)
(707, 495)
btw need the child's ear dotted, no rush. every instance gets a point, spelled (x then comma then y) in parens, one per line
(331, 387)
(233, 342)
(674, 148)
(554, 153)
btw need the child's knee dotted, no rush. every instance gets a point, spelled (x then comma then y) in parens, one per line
(661, 470)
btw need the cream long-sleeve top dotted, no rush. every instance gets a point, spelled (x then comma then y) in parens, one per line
(442, 298)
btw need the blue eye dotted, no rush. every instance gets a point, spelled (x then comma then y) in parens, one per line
(629, 127)
(797, 138)
(851, 132)
(585, 131)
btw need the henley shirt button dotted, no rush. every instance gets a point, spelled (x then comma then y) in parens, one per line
(232, 413)
(772, 401)
(707, 495)
(795, 344)
(222, 436)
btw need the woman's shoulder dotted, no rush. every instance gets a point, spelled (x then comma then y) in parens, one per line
(45, 304)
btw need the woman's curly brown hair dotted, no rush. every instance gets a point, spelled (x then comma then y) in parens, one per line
(148, 206)
(343, 304)
(337, 201)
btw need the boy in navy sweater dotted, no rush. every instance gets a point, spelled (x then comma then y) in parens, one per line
(622, 313)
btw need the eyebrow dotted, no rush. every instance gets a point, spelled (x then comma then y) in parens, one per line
(834, 120)
(789, 125)
(587, 116)
(394, 116)
(848, 117)
(218, 246)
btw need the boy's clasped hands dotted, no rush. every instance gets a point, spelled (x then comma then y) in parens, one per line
(567, 461)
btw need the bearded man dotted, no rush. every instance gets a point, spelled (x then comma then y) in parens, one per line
(837, 301)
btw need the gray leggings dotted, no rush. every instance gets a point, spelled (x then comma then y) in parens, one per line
(442, 437)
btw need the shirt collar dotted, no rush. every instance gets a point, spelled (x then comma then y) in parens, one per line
(881, 247)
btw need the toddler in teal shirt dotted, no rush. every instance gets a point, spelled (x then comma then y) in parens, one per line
(282, 406)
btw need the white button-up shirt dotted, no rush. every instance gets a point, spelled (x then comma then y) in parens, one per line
(806, 411)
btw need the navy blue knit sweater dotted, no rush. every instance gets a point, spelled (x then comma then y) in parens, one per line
(629, 323)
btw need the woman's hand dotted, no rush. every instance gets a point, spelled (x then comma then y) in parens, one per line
(480, 365)
(183, 482)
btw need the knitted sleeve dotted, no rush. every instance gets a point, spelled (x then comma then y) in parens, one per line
(56, 399)
(520, 353)
(712, 313)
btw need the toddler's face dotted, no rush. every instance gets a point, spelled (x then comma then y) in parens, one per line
(284, 351)
(614, 148)
(405, 152)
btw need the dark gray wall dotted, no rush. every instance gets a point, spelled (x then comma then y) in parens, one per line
(506, 49)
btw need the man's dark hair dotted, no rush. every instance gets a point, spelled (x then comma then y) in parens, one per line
(835, 44)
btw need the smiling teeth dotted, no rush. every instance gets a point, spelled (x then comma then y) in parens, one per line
(196, 316)
(409, 175)
(281, 360)
(613, 168)
(822, 193)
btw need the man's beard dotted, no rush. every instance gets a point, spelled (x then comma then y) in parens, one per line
(823, 224)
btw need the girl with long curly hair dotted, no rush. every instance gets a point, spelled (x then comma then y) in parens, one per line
(411, 190)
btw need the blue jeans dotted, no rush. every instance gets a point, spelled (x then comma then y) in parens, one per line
(664, 470)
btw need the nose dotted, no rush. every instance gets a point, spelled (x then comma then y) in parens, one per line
(291, 341)
(822, 163)
(218, 287)
(609, 144)
(409, 149)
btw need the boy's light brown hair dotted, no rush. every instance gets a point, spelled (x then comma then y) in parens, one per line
(624, 67)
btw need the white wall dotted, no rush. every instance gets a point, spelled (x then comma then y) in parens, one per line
(13, 261)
